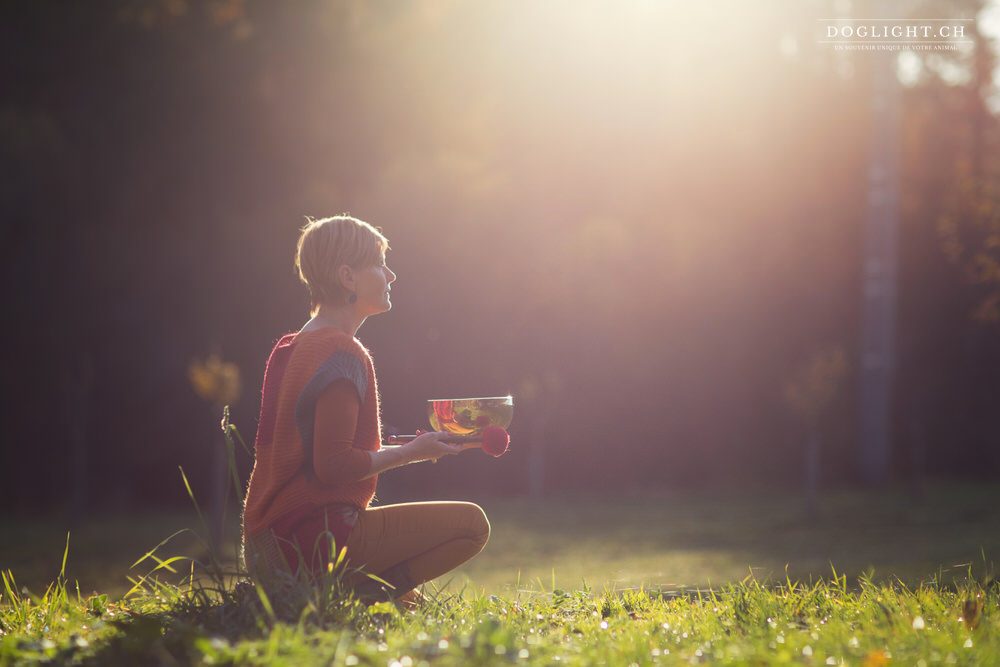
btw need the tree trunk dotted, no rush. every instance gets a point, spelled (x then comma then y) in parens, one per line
(811, 471)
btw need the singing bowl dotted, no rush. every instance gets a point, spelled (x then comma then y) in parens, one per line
(469, 416)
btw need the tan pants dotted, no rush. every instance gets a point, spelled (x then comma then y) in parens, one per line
(412, 543)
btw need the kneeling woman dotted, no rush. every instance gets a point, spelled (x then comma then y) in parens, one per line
(318, 449)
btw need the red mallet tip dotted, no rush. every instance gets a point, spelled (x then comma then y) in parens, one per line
(495, 440)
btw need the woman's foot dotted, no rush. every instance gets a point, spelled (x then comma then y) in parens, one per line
(411, 601)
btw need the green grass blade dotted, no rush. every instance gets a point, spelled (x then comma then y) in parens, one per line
(150, 553)
(230, 431)
(167, 564)
(265, 601)
(187, 485)
(62, 570)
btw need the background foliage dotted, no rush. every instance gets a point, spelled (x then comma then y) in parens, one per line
(643, 223)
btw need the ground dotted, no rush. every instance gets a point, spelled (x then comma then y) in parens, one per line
(875, 579)
(667, 541)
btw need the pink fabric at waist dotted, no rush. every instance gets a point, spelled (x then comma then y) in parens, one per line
(303, 536)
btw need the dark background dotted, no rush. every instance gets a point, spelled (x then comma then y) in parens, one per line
(641, 221)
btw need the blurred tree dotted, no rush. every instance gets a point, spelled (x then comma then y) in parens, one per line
(969, 222)
(970, 232)
(810, 392)
(950, 181)
(662, 225)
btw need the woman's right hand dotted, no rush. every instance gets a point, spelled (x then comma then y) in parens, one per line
(429, 446)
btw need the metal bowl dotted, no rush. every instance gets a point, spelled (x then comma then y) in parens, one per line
(469, 416)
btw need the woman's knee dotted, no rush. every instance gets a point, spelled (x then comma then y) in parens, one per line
(478, 524)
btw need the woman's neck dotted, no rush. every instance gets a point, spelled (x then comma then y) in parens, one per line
(346, 319)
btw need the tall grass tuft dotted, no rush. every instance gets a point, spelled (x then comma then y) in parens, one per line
(227, 601)
(181, 608)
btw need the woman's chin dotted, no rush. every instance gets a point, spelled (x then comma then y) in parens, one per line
(377, 309)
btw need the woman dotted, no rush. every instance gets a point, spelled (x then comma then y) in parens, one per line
(318, 449)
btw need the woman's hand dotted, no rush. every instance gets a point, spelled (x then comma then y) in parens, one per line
(429, 446)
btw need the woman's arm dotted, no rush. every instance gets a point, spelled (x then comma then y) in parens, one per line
(425, 447)
(335, 459)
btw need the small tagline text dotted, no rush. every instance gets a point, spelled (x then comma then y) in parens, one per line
(895, 47)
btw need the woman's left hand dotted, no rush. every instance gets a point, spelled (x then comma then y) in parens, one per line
(429, 446)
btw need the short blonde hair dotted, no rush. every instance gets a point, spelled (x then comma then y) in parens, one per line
(326, 245)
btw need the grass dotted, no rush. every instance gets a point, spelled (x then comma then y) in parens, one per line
(667, 542)
(672, 579)
(673, 542)
(826, 622)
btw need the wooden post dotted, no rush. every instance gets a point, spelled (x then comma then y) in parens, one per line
(812, 467)
(878, 322)
(536, 457)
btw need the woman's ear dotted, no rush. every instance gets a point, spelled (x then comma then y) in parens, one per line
(346, 276)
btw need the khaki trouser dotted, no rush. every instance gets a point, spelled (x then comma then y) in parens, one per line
(411, 543)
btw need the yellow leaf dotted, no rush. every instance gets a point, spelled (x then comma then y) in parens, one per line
(875, 659)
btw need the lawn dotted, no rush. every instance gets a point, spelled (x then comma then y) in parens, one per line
(874, 579)
(664, 542)
(683, 541)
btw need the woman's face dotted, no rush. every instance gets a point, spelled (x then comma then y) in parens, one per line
(373, 286)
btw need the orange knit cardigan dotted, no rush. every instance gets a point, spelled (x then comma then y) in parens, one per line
(285, 478)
